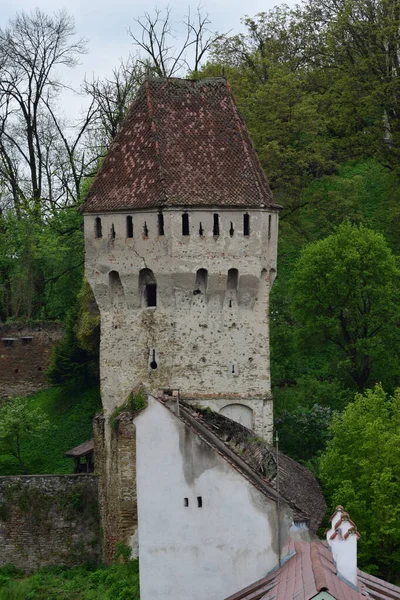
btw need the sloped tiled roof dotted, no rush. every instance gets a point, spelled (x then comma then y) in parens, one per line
(310, 569)
(81, 450)
(256, 461)
(182, 143)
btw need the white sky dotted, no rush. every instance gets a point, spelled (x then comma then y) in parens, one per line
(105, 22)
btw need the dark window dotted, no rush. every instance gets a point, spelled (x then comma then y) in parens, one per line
(151, 294)
(185, 224)
(231, 230)
(186, 502)
(201, 230)
(129, 227)
(97, 228)
(145, 230)
(216, 225)
(160, 224)
(147, 288)
(199, 501)
(269, 227)
(233, 278)
(246, 224)
(112, 232)
(200, 286)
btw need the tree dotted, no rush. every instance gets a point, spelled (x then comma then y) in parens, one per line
(345, 291)
(18, 424)
(361, 471)
(42, 158)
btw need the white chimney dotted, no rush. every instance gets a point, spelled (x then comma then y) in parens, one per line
(342, 539)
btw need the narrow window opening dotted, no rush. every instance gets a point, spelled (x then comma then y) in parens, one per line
(116, 289)
(230, 303)
(151, 294)
(185, 224)
(112, 233)
(97, 228)
(246, 224)
(153, 363)
(39, 368)
(129, 227)
(199, 501)
(233, 369)
(186, 502)
(147, 288)
(160, 224)
(16, 370)
(231, 230)
(269, 227)
(216, 225)
(200, 286)
(233, 278)
(201, 230)
(145, 230)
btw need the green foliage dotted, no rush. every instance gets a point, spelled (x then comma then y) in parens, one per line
(345, 293)
(117, 582)
(135, 402)
(20, 423)
(361, 470)
(75, 357)
(122, 552)
(69, 412)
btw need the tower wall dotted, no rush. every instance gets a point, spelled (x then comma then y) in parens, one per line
(208, 336)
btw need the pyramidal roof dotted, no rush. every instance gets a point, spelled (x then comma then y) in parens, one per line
(182, 143)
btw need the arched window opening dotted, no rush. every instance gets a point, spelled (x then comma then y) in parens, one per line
(200, 286)
(98, 232)
(116, 289)
(129, 227)
(246, 224)
(160, 224)
(233, 279)
(112, 232)
(240, 413)
(147, 288)
(231, 230)
(216, 225)
(201, 230)
(185, 224)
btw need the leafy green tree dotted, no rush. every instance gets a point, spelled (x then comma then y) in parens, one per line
(345, 293)
(361, 471)
(18, 424)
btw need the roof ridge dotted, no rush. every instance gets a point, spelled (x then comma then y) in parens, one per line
(317, 568)
(155, 138)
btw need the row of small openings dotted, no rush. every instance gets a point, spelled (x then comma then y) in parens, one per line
(185, 226)
(26, 340)
(199, 502)
(98, 228)
(216, 227)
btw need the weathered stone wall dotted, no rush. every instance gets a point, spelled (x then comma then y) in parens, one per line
(211, 341)
(115, 455)
(25, 354)
(49, 520)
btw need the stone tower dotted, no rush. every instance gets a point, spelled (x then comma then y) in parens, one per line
(181, 242)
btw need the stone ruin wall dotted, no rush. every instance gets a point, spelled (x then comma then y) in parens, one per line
(49, 520)
(25, 354)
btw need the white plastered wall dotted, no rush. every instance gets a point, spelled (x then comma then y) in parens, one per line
(192, 552)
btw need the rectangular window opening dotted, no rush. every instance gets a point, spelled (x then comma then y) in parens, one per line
(216, 225)
(269, 227)
(186, 502)
(129, 227)
(151, 294)
(112, 233)
(246, 224)
(160, 224)
(185, 224)
(199, 501)
(201, 230)
(97, 228)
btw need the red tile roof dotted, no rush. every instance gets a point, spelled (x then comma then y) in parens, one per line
(309, 569)
(182, 143)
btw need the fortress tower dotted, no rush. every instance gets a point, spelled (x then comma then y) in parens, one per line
(181, 242)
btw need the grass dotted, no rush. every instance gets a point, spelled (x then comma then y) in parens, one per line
(117, 582)
(70, 411)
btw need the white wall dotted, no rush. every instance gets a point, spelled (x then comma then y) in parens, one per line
(192, 553)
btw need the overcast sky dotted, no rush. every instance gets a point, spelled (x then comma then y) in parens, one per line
(105, 22)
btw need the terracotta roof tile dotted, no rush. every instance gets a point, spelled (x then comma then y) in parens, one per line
(310, 570)
(182, 143)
